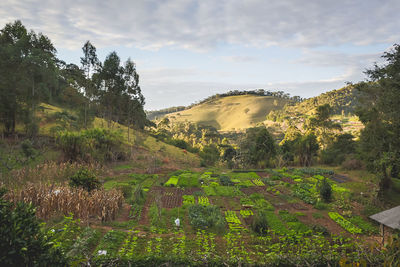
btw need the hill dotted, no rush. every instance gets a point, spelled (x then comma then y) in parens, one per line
(230, 112)
(147, 150)
(343, 102)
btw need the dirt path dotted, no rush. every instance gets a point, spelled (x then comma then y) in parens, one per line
(123, 215)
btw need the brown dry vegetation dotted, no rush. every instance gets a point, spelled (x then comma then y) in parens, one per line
(53, 200)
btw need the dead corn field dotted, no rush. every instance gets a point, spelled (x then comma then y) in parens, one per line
(53, 200)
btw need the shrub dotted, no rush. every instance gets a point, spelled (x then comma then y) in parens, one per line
(27, 149)
(84, 178)
(260, 223)
(205, 216)
(225, 180)
(22, 241)
(93, 144)
(352, 164)
(325, 190)
(321, 205)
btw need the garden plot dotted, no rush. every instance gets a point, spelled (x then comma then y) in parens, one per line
(217, 216)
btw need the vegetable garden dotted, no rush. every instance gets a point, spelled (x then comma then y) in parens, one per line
(267, 218)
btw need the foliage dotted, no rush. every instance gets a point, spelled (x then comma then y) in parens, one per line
(172, 181)
(188, 179)
(28, 67)
(84, 244)
(342, 101)
(206, 217)
(322, 126)
(27, 149)
(110, 243)
(258, 147)
(85, 179)
(93, 144)
(22, 241)
(391, 254)
(225, 191)
(275, 223)
(260, 223)
(325, 190)
(365, 226)
(188, 199)
(380, 139)
(204, 201)
(246, 213)
(336, 152)
(345, 224)
(225, 180)
(209, 155)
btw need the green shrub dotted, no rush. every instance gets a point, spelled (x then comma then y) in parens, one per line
(325, 190)
(320, 229)
(22, 241)
(126, 189)
(225, 180)
(205, 216)
(27, 149)
(84, 178)
(321, 205)
(260, 223)
(93, 144)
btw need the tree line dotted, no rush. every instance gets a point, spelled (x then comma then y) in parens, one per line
(32, 74)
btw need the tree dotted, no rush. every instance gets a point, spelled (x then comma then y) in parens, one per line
(28, 73)
(22, 241)
(89, 63)
(322, 126)
(258, 147)
(379, 112)
(306, 147)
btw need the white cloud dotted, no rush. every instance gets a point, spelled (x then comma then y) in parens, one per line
(239, 59)
(204, 24)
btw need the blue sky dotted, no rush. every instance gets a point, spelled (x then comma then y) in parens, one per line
(186, 50)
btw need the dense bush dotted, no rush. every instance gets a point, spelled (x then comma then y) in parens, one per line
(352, 164)
(84, 178)
(260, 223)
(325, 190)
(22, 241)
(225, 180)
(27, 149)
(206, 217)
(93, 144)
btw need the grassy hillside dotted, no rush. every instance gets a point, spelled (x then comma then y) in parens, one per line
(231, 112)
(150, 146)
(343, 102)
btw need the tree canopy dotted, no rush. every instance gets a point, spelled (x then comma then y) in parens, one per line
(380, 109)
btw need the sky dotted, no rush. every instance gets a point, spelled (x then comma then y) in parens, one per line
(187, 50)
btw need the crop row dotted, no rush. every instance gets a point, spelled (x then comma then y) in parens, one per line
(203, 201)
(345, 224)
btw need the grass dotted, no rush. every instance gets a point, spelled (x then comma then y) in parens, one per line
(110, 243)
(229, 113)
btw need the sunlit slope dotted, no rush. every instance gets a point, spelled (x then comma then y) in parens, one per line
(231, 112)
(142, 139)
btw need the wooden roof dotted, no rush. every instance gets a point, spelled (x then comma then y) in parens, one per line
(390, 218)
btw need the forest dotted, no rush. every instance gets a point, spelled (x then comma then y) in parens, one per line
(89, 178)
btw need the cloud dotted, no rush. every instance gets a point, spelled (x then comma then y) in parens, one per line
(202, 25)
(239, 59)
